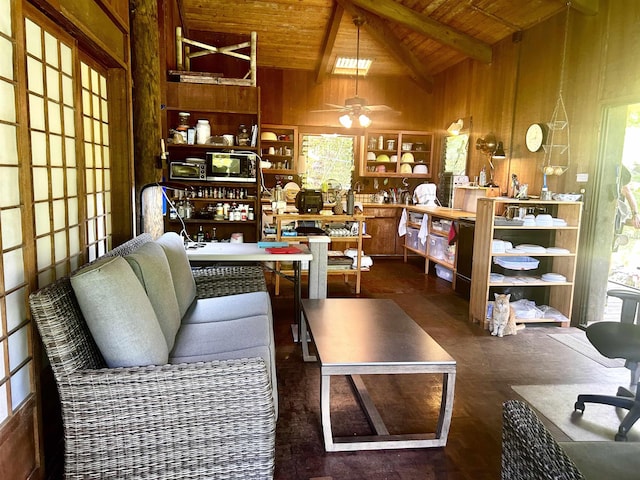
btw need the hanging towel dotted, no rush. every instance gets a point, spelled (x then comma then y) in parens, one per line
(402, 226)
(453, 234)
(424, 230)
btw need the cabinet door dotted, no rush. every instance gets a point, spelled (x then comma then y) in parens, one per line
(383, 229)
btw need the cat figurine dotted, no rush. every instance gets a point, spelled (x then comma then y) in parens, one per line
(503, 318)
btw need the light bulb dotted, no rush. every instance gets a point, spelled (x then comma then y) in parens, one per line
(346, 121)
(364, 120)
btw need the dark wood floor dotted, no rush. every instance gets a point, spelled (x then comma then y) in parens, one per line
(486, 369)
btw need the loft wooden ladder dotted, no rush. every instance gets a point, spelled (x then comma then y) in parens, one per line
(184, 56)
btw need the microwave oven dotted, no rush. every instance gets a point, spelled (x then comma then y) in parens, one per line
(190, 169)
(231, 167)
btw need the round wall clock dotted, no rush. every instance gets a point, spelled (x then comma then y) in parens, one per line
(535, 136)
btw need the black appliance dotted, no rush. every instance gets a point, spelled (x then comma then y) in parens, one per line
(464, 248)
(309, 201)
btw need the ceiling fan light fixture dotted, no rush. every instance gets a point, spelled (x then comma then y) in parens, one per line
(345, 120)
(364, 120)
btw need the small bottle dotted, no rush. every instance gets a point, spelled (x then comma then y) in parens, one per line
(483, 177)
(203, 131)
(200, 235)
(350, 202)
(251, 214)
(213, 235)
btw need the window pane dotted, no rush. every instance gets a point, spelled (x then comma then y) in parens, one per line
(6, 58)
(9, 194)
(18, 348)
(11, 223)
(38, 148)
(51, 49)
(43, 252)
(34, 40)
(8, 106)
(16, 309)
(13, 269)
(20, 386)
(36, 112)
(43, 221)
(329, 159)
(34, 76)
(40, 183)
(9, 150)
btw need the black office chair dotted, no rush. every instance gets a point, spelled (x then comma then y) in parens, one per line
(619, 340)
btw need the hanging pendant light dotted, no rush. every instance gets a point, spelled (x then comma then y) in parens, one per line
(357, 113)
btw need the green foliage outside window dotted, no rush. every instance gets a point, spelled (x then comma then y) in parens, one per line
(329, 159)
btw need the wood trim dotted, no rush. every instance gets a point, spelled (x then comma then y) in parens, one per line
(329, 41)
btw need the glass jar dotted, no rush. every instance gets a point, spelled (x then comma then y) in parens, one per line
(203, 131)
(183, 121)
(243, 136)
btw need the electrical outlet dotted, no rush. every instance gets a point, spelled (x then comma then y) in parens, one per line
(582, 177)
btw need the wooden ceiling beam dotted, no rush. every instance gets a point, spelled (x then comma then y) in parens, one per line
(385, 37)
(329, 41)
(424, 25)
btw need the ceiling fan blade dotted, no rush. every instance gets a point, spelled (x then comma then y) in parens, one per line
(328, 110)
(379, 108)
(339, 107)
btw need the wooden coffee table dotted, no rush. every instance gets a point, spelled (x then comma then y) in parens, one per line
(358, 336)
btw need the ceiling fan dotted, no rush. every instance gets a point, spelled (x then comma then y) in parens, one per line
(356, 107)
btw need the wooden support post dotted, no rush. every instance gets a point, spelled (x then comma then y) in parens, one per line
(145, 72)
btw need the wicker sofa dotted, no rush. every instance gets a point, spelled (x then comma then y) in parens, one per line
(529, 452)
(207, 411)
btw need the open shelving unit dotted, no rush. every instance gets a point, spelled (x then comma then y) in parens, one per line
(345, 241)
(558, 295)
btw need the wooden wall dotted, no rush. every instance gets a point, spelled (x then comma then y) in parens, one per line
(519, 87)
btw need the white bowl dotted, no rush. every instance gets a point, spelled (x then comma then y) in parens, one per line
(371, 156)
(420, 169)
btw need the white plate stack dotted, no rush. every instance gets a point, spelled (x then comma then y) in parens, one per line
(554, 277)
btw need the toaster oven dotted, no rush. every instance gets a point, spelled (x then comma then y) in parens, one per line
(190, 169)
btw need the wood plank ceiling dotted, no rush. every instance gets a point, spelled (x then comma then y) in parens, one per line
(418, 38)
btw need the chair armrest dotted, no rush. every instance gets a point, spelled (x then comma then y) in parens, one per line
(529, 452)
(214, 418)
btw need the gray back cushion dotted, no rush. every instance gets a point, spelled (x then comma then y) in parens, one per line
(150, 265)
(119, 314)
(183, 282)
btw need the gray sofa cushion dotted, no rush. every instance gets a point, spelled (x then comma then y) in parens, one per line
(150, 265)
(119, 314)
(240, 338)
(229, 307)
(197, 340)
(183, 282)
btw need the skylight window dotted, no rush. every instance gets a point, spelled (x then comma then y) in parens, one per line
(347, 66)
